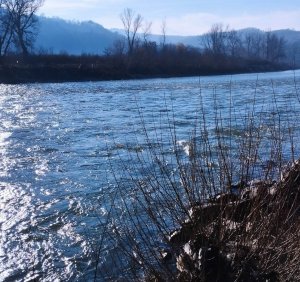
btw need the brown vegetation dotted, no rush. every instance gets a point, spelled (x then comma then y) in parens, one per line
(219, 214)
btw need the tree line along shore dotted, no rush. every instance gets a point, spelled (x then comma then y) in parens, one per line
(221, 51)
(175, 63)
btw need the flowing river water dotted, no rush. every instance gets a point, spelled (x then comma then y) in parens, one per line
(59, 142)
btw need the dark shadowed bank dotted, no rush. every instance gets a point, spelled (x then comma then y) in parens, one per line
(232, 236)
(65, 68)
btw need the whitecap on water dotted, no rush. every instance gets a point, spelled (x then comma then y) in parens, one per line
(186, 146)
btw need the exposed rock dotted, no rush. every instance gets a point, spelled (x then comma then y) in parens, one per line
(212, 265)
(291, 177)
(213, 244)
(184, 263)
(164, 252)
(260, 183)
(192, 246)
(208, 264)
(238, 211)
(237, 187)
(166, 256)
(288, 172)
(206, 213)
(181, 235)
(224, 198)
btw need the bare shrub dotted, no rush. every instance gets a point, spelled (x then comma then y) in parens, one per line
(221, 200)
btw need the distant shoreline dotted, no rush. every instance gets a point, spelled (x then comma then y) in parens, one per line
(22, 74)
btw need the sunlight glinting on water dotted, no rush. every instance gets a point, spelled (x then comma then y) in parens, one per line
(58, 142)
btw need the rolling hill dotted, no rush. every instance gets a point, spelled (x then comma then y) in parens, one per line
(58, 36)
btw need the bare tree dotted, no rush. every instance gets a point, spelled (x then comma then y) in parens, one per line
(274, 47)
(117, 49)
(24, 21)
(234, 43)
(254, 44)
(163, 32)
(293, 54)
(131, 25)
(147, 31)
(215, 40)
(6, 29)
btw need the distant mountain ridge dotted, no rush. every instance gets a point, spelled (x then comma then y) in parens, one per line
(75, 38)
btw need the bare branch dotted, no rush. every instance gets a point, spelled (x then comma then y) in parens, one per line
(23, 21)
(131, 25)
(163, 32)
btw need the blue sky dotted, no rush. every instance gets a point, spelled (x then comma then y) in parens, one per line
(184, 17)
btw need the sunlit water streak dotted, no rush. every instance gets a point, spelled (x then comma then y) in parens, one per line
(57, 142)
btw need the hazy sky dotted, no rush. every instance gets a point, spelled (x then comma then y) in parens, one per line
(183, 17)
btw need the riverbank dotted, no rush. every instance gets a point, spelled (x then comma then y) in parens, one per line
(78, 69)
(250, 233)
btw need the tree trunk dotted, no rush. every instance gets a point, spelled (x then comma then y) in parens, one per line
(22, 45)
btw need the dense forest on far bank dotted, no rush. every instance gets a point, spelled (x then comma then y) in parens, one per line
(224, 52)
(170, 62)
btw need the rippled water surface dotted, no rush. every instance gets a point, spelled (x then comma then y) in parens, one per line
(59, 141)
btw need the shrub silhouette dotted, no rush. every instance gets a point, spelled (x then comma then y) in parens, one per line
(220, 206)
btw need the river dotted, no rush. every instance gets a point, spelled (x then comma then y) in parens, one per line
(60, 142)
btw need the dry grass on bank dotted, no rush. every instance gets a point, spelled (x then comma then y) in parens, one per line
(227, 210)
